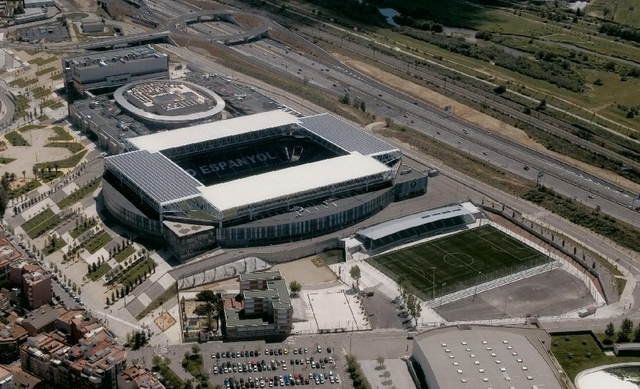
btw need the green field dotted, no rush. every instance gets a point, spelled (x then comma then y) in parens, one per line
(458, 261)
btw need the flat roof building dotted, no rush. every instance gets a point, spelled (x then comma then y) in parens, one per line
(484, 357)
(265, 310)
(110, 69)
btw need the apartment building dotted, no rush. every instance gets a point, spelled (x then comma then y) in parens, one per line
(265, 310)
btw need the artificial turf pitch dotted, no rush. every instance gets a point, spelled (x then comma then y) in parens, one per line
(458, 261)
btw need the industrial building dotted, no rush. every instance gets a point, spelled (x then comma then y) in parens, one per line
(107, 70)
(470, 356)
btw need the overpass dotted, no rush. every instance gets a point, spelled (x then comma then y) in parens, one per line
(223, 15)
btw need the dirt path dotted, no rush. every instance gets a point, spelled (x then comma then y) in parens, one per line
(478, 118)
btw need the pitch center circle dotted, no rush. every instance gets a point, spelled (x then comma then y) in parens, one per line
(458, 259)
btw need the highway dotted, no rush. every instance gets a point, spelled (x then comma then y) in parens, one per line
(387, 102)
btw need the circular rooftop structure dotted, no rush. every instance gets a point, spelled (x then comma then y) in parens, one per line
(168, 103)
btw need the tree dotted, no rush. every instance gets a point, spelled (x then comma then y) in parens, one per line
(206, 295)
(636, 334)
(380, 361)
(295, 287)
(195, 349)
(355, 273)
(414, 307)
(24, 175)
(610, 330)
(34, 169)
(625, 330)
(108, 301)
(4, 200)
(403, 288)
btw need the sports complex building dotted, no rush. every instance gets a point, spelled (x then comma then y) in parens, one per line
(254, 180)
(484, 357)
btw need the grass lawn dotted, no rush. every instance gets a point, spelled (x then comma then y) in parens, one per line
(57, 245)
(28, 187)
(572, 354)
(71, 146)
(459, 261)
(158, 301)
(97, 242)
(50, 175)
(76, 232)
(30, 127)
(16, 139)
(40, 223)
(124, 254)
(70, 162)
(139, 269)
(45, 71)
(81, 193)
(61, 134)
(101, 271)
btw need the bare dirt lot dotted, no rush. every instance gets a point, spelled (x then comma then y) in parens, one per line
(305, 271)
(547, 294)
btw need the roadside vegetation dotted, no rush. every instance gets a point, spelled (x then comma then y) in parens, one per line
(582, 215)
(576, 353)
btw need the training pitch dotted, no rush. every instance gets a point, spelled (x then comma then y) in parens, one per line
(458, 261)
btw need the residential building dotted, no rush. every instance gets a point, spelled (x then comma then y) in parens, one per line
(138, 378)
(35, 283)
(23, 379)
(41, 320)
(8, 256)
(265, 308)
(12, 336)
(93, 363)
(6, 379)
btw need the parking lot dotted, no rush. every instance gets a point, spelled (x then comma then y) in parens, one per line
(315, 365)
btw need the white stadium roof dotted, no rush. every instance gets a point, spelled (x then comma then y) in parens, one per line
(213, 130)
(393, 226)
(299, 179)
(346, 135)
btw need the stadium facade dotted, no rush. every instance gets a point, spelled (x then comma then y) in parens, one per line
(253, 180)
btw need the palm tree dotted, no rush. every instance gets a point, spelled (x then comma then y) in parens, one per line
(35, 171)
(56, 165)
(24, 175)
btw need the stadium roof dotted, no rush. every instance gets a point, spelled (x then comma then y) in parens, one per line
(154, 174)
(213, 130)
(393, 226)
(294, 180)
(346, 136)
(483, 357)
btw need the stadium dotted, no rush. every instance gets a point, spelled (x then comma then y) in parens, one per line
(253, 180)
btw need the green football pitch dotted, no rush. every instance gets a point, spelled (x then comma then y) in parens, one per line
(458, 261)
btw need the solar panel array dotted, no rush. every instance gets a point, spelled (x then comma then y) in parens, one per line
(345, 135)
(156, 175)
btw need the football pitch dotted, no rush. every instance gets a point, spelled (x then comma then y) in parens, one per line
(458, 261)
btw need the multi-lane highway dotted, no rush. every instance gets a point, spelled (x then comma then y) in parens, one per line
(330, 75)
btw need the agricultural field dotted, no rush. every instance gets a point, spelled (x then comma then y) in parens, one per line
(619, 11)
(458, 261)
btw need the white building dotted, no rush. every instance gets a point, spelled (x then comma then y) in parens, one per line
(483, 357)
